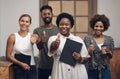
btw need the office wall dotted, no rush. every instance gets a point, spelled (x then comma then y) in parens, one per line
(111, 8)
(10, 11)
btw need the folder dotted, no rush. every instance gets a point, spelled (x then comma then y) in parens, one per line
(23, 58)
(70, 47)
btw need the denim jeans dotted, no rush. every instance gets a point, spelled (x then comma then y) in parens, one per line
(20, 73)
(44, 73)
(95, 74)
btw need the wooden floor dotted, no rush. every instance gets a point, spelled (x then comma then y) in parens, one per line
(115, 64)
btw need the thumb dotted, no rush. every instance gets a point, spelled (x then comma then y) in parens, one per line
(44, 33)
(91, 41)
(58, 38)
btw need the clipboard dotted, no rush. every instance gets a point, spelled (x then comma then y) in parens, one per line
(23, 58)
(70, 47)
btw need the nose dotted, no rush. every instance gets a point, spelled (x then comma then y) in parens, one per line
(64, 25)
(98, 27)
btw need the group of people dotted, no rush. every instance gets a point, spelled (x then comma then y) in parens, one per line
(92, 61)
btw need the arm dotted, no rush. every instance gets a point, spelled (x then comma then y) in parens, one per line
(80, 59)
(108, 49)
(89, 45)
(9, 50)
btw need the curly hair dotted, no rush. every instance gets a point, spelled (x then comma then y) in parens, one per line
(104, 19)
(65, 15)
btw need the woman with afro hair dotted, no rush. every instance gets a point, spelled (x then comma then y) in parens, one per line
(61, 69)
(100, 48)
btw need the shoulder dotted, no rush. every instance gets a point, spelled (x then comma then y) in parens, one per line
(76, 38)
(11, 37)
(37, 29)
(53, 37)
(108, 37)
(55, 27)
(88, 37)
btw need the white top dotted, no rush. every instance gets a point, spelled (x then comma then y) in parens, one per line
(62, 70)
(24, 46)
(99, 45)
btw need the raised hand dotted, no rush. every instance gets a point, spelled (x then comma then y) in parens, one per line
(105, 49)
(55, 44)
(34, 38)
(91, 48)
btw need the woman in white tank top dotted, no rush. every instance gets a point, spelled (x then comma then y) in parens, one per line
(21, 44)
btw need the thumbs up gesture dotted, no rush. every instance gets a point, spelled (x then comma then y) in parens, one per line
(91, 48)
(44, 36)
(55, 44)
(34, 38)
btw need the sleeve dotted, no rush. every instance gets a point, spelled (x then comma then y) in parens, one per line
(111, 44)
(35, 31)
(87, 41)
(40, 44)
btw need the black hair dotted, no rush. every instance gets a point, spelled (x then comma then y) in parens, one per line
(46, 7)
(101, 18)
(65, 15)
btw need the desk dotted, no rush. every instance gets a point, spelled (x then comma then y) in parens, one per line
(6, 70)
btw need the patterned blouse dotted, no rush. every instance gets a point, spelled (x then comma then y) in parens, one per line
(98, 60)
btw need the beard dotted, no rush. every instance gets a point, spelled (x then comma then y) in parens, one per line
(47, 20)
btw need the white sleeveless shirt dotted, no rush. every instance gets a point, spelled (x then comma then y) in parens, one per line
(24, 46)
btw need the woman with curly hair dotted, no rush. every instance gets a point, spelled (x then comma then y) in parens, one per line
(100, 48)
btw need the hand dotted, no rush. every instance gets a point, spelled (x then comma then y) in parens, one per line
(77, 56)
(91, 48)
(55, 44)
(105, 49)
(25, 66)
(44, 36)
(57, 41)
(34, 38)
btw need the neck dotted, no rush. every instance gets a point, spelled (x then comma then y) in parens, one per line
(48, 26)
(23, 33)
(99, 36)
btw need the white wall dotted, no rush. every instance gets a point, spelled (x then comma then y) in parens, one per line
(111, 8)
(10, 11)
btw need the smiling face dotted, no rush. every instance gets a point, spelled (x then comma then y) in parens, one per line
(24, 23)
(46, 15)
(64, 26)
(98, 28)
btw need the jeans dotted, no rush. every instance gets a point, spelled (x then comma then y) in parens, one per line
(95, 74)
(20, 73)
(44, 73)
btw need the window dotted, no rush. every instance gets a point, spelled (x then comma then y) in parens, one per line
(82, 10)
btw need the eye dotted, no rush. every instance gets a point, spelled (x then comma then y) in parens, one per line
(96, 25)
(101, 26)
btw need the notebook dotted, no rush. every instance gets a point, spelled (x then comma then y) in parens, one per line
(69, 48)
(23, 58)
